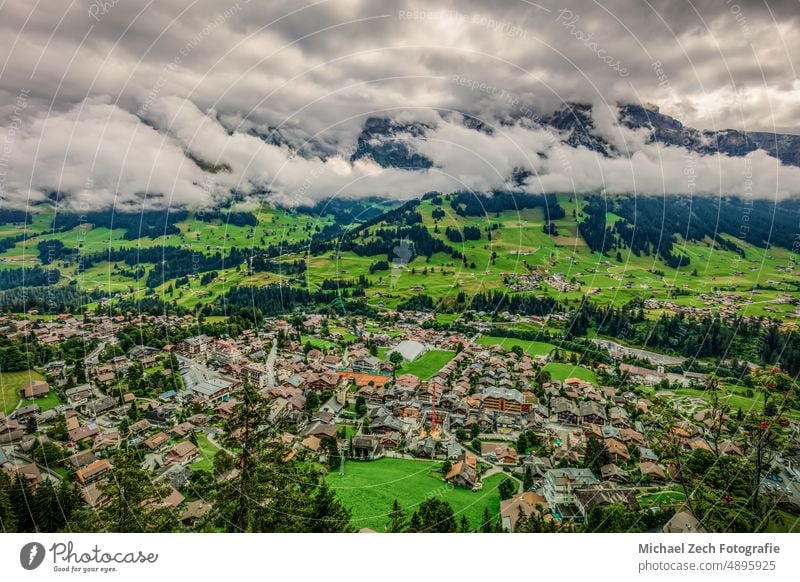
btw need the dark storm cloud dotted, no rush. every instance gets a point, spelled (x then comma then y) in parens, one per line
(116, 91)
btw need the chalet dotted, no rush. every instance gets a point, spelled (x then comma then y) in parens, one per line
(93, 471)
(647, 454)
(184, 452)
(655, 471)
(106, 439)
(194, 511)
(81, 459)
(387, 423)
(26, 412)
(729, 448)
(84, 432)
(198, 419)
(161, 416)
(312, 443)
(526, 504)
(99, 406)
(366, 447)
(139, 427)
(93, 495)
(537, 466)
(105, 379)
(391, 440)
(35, 389)
(565, 410)
(366, 365)
(172, 500)
(119, 364)
(463, 474)
(618, 417)
(322, 382)
(225, 409)
(617, 449)
(427, 448)
(167, 395)
(295, 381)
(314, 355)
(501, 453)
(156, 442)
(591, 412)
(320, 429)
(630, 435)
(408, 381)
(364, 379)
(605, 494)
(503, 399)
(79, 394)
(145, 355)
(331, 362)
(30, 473)
(612, 472)
(183, 429)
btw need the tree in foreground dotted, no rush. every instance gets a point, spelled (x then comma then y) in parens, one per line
(266, 491)
(434, 515)
(133, 499)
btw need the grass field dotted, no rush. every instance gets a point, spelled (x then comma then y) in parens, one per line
(783, 522)
(10, 385)
(207, 452)
(426, 366)
(317, 342)
(369, 488)
(532, 348)
(561, 372)
(661, 498)
(50, 401)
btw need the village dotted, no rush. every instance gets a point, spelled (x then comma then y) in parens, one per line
(483, 411)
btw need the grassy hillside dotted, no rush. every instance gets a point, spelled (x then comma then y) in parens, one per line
(515, 252)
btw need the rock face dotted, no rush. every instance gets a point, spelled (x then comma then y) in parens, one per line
(390, 143)
(387, 142)
(576, 120)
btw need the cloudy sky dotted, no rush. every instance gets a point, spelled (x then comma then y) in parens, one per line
(108, 102)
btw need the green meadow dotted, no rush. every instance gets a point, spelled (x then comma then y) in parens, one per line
(369, 488)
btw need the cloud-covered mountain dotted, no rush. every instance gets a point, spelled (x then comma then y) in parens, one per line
(118, 105)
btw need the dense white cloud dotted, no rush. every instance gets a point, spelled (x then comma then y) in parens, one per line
(116, 93)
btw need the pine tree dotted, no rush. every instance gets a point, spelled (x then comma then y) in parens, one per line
(8, 521)
(268, 492)
(486, 521)
(22, 503)
(464, 525)
(327, 514)
(397, 518)
(132, 499)
(47, 512)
